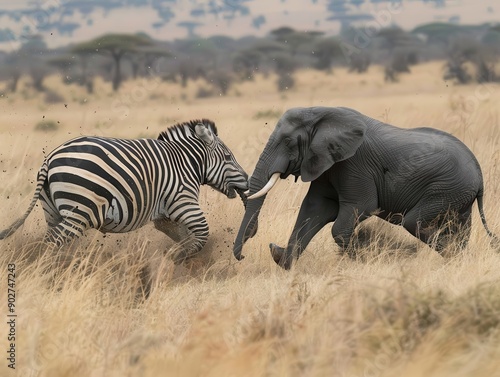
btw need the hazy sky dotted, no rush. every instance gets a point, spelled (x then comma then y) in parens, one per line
(300, 14)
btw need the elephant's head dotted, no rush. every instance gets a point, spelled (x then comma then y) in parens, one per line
(306, 142)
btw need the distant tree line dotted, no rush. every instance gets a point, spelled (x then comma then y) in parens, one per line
(470, 52)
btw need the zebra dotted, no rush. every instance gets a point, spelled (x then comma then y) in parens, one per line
(118, 185)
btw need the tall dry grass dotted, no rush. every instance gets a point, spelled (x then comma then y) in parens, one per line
(399, 310)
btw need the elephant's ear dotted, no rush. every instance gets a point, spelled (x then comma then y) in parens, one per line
(336, 136)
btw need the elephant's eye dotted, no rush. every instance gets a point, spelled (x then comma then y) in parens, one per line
(288, 140)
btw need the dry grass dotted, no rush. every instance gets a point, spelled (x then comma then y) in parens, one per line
(400, 310)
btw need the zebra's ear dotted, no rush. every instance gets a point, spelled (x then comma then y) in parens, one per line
(204, 133)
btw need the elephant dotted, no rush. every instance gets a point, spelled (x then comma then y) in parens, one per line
(423, 179)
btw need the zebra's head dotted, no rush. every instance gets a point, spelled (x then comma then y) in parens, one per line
(223, 173)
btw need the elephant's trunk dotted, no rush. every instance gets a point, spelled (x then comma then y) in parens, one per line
(250, 222)
(270, 162)
(249, 225)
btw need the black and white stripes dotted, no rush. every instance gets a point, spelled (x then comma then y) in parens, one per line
(118, 185)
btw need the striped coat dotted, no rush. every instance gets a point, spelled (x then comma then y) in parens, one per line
(118, 185)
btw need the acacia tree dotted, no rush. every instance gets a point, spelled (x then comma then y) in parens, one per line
(11, 71)
(84, 54)
(439, 33)
(146, 56)
(285, 65)
(402, 50)
(359, 62)
(64, 64)
(116, 46)
(469, 50)
(74, 67)
(267, 49)
(246, 63)
(293, 38)
(31, 56)
(325, 51)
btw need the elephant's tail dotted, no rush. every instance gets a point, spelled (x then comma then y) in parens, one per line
(494, 238)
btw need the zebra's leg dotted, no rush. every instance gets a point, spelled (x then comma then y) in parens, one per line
(50, 212)
(63, 232)
(191, 236)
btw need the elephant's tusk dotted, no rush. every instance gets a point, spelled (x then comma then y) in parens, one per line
(246, 192)
(269, 185)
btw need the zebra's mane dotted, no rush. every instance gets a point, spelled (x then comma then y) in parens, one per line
(185, 129)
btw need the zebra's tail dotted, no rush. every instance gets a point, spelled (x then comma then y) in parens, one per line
(42, 176)
(494, 238)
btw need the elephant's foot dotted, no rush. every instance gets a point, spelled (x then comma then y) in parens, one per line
(279, 256)
(276, 252)
(351, 252)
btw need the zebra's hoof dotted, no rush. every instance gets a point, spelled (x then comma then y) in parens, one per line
(180, 257)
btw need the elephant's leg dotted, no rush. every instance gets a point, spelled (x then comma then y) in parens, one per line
(191, 235)
(440, 229)
(343, 229)
(315, 212)
(463, 228)
(453, 230)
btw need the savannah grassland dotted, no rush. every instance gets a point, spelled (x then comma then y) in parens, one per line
(400, 309)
